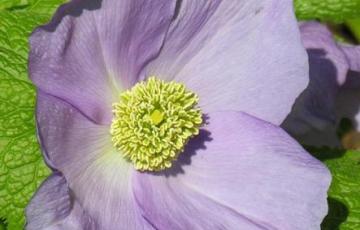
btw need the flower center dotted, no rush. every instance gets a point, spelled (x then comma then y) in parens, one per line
(153, 121)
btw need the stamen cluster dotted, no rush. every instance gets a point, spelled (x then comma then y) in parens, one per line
(153, 121)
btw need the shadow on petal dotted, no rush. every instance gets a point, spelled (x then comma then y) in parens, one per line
(314, 110)
(196, 143)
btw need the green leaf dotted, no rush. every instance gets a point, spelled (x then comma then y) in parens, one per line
(45, 7)
(344, 192)
(2, 225)
(354, 26)
(22, 168)
(327, 10)
(8, 4)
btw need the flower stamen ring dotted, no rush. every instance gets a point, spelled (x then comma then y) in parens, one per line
(153, 121)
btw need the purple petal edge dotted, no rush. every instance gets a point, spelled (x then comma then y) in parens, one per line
(92, 50)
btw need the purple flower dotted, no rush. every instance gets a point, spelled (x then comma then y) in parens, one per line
(244, 62)
(333, 91)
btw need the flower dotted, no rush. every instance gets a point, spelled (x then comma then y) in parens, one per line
(333, 91)
(237, 68)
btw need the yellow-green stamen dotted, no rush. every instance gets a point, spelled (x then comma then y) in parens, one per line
(153, 121)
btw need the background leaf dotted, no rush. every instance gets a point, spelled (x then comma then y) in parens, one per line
(327, 10)
(354, 26)
(46, 7)
(344, 193)
(8, 4)
(21, 165)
